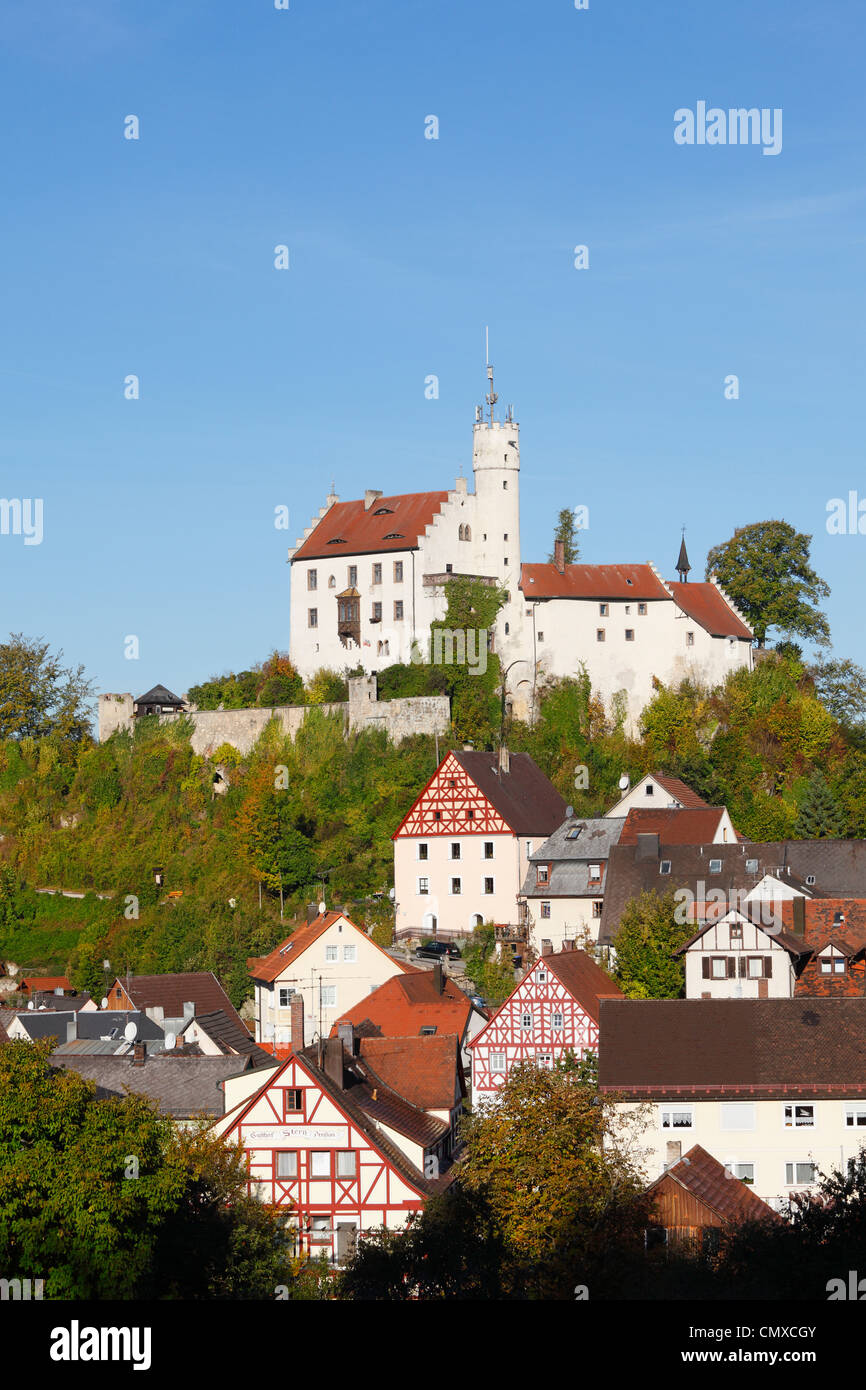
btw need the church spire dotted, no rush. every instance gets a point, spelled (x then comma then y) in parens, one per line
(683, 565)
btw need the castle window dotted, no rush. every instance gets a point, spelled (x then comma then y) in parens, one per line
(507, 629)
(332, 583)
(488, 885)
(353, 576)
(377, 574)
(455, 849)
(641, 608)
(690, 639)
(505, 537)
(603, 610)
(312, 617)
(629, 634)
(377, 613)
(599, 634)
(506, 560)
(398, 611)
(504, 483)
(312, 579)
(541, 636)
(398, 571)
(628, 609)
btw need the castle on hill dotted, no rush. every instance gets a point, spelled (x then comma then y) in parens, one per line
(368, 578)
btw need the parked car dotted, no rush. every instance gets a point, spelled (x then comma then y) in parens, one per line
(437, 950)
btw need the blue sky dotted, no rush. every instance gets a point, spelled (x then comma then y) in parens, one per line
(305, 127)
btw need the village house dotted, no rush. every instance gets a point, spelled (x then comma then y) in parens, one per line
(775, 1089)
(563, 891)
(184, 1088)
(173, 1000)
(349, 1135)
(423, 1003)
(331, 963)
(696, 1199)
(655, 790)
(462, 850)
(554, 1011)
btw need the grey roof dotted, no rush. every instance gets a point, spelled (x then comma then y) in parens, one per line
(838, 868)
(60, 1002)
(570, 859)
(182, 1086)
(50, 1024)
(228, 1037)
(159, 695)
(92, 1047)
(101, 1022)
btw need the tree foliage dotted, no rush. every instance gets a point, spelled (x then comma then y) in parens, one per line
(40, 697)
(765, 569)
(646, 938)
(566, 531)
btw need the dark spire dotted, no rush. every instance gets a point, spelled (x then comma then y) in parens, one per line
(683, 565)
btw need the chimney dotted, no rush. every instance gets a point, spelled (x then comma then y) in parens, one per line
(157, 1013)
(559, 556)
(546, 946)
(188, 1013)
(504, 760)
(370, 496)
(138, 1054)
(567, 944)
(647, 846)
(334, 1060)
(71, 1030)
(346, 1034)
(438, 978)
(297, 1015)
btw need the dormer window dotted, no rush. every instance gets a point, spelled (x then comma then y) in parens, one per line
(715, 866)
(665, 866)
(574, 832)
(383, 511)
(337, 540)
(541, 874)
(395, 536)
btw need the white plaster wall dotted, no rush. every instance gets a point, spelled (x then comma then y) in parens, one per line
(455, 913)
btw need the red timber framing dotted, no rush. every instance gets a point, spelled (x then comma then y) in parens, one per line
(332, 1168)
(451, 804)
(545, 1002)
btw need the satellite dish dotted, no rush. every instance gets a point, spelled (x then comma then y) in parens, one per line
(624, 782)
(130, 1032)
(569, 812)
(391, 894)
(170, 1040)
(323, 907)
(103, 1004)
(31, 1004)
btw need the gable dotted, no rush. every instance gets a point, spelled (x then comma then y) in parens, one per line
(444, 804)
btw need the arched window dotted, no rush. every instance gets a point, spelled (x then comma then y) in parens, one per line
(332, 583)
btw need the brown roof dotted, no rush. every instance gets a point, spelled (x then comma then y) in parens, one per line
(584, 980)
(347, 529)
(270, 967)
(171, 992)
(407, 1003)
(46, 982)
(712, 1184)
(424, 1071)
(231, 1039)
(690, 826)
(523, 796)
(592, 582)
(732, 1048)
(678, 789)
(705, 604)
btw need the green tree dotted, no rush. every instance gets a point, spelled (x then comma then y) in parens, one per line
(820, 816)
(765, 569)
(841, 687)
(473, 678)
(648, 934)
(491, 975)
(40, 696)
(566, 531)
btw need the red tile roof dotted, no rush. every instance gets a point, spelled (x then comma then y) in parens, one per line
(584, 980)
(705, 604)
(686, 827)
(44, 982)
(676, 788)
(403, 1006)
(424, 1071)
(271, 966)
(710, 1183)
(363, 532)
(592, 582)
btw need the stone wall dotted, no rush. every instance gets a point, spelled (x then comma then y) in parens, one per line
(428, 714)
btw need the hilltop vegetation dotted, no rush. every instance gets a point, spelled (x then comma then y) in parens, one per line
(317, 815)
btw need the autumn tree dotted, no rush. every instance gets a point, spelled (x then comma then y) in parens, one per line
(765, 569)
(646, 939)
(39, 695)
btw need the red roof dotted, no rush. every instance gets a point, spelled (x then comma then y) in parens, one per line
(391, 523)
(44, 982)
(404, 1005)
(678, 790)
(592, 581)
(271, 966)
(424, 1071)
(696, 826)
(705, 604)
(585, 981)
(713, 1185)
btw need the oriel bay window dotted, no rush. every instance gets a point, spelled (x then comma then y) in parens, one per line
(349, 617)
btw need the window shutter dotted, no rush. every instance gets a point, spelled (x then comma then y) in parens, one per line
(768, 967)
(732, 966)
(706, 967)
(742, 964)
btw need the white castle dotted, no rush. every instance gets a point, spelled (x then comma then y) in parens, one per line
(368, 578)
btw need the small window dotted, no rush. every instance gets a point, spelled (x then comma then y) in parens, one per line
(665, 866)
(574, 832)
(649, 789)
(285, 997)
(719, 968)
(597, 908)
(320, 1230)
(629, 634)
(744, 1171)
(690, 639)
(423, 887)
(799, 1174)
(328, 996)
(350, 955)
(331, 954)
(526, 1023)
(736, 931)
(312, 617)
(398, 571)
(437, 815)
(488, 849)
(377, 612)
(541, 874)
(628, 610)
(799, 1117)
(556, 1021)
(715, 866)
(456, 887)
(756, 968)
(603, 610)
(594, 873)
(353, 576)
(678, 1117)
(506, 560)
(505, 536)
(542, 977)
(320, 1163)
(293, 1102)
(541, 636)
(855, 1116)
(599, 634)
(428, 1031)
(455, 849)
(641, 608)
(398, 611)
(377, 574)
(810, 880)
(545, 910)
(488, 886)
(497, 1062)
(287, 1164)
(470, 814)
(832, 965)
(751, 866)
(505, 487)
(347, 1163)
(422, 850)
(312, 579)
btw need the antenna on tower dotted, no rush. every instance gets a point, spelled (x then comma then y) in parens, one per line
(491, 397)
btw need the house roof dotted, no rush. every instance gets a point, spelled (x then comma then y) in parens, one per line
(99, 1023)
(181, 1086)
(789, 941)
(690, 826)
(229, 1038)
(585, 981)
(592, 582)
(710, 1183)
(170, 993)
(404, 1005)
(271, 966)
(709, 608)
(525, 799)
(63, 1002)
(44, 982)
(425, 1071)
(391, 523)
(597, 834)
(732, 1048)
(159, 695)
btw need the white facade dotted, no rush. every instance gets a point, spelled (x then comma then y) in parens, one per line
(773, 1142)
(489, 870)
(736, 958)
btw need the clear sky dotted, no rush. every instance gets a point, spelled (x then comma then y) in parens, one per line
(306, 127)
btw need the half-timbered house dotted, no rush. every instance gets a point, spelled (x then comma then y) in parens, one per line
(552, 1012)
